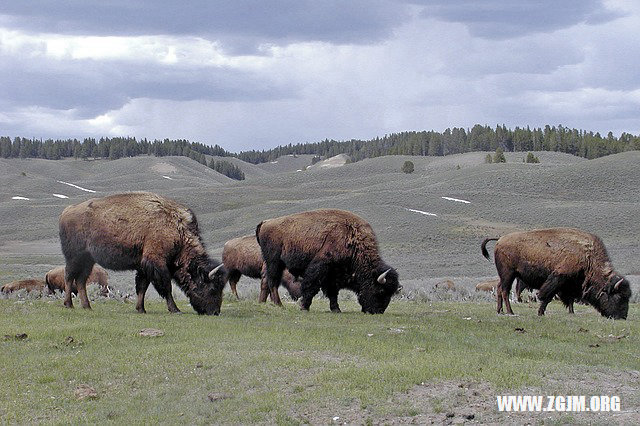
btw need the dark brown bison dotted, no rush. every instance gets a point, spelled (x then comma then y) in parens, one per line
(242, 256)
(571, 263)
(331, 250)
(29, 285)
(141, 231)
(55, 280)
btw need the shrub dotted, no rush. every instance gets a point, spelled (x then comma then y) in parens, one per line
(488, 159)
(532, 158)
(408, 167)
(499, 157)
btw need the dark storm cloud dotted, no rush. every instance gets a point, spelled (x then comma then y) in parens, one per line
(93, 88)
(240, 23)
(506, 19)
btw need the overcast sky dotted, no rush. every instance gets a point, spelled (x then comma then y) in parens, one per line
(256, 74)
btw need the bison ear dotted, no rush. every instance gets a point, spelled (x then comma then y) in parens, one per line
(215, 270)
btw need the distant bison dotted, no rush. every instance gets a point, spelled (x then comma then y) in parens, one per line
(487, 285)
(331, 250)
(571, 263)
(141, 231)
(55, 280)
(445, 285)
(29, 285)
(242, 256)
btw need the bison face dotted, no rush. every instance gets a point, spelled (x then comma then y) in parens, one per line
(614, 300)
(374, 297)
(206, 292)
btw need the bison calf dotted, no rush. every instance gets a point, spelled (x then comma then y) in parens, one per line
(331, 250)
(29, 285)
(55, 280)
(152, 235)
(571, 263)
(242, 256)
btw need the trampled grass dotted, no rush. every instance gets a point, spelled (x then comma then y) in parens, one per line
(260, 363)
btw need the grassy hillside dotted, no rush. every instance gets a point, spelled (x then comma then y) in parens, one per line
(417, 363)
(597, 195)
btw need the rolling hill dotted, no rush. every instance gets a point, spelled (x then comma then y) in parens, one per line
(429, 223)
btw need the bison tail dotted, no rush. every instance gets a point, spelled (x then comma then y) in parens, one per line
(258, 231)
(485, 253)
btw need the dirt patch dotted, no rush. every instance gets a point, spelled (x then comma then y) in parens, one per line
(164, 168)
(468, 402)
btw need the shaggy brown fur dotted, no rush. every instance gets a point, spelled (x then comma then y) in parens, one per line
(29, 285)
(571, 263)
(145, 232)
(55, 280)
(242, 256)
(331, 250)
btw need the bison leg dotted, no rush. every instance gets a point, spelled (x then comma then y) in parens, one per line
(264, 290)
(161, 279)
(273, 276)
(548, 290)
(77, 271)
(502, 293)
(142, 284)
(234, 277)
(314, 276)
(519, 287)
(332, 294)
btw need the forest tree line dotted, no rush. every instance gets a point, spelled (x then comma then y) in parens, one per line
(118, 147)
(456, 140)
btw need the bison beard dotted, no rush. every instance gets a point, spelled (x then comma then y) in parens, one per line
(155, 236)
(331, 250)
(568, 262)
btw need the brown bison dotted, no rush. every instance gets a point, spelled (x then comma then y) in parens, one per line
(571, 263)
(487, 285)
(29, 285)
(242, 256)
(55, 280)
(331, 250)
(145, 232)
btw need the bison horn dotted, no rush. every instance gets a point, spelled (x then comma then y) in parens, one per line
(215, 270)
(382, 278)
(616, 285)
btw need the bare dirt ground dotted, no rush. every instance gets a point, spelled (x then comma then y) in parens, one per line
(465, 402)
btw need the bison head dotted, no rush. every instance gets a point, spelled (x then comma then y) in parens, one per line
(374, 295)
(205, 293)
(613, 300)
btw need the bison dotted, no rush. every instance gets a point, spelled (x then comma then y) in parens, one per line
(145, 232)
(29, 285)
(242, 256)
(487, 285)
(569, 262)
(55, 280)
(331, 250)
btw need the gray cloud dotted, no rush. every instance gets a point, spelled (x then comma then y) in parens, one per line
(240, 23)
(499, 19)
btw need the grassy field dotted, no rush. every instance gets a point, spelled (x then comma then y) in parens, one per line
(257, 363)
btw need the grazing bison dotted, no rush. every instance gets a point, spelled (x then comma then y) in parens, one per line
(331, 250)
(141, 231)
(55, 280)
(487, 285)
(29, 285)
(571, 263)
(242, 256)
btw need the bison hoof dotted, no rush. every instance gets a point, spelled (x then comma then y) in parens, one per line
(178, 312)
(336, 310)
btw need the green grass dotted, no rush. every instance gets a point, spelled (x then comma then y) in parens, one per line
(270, 364)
